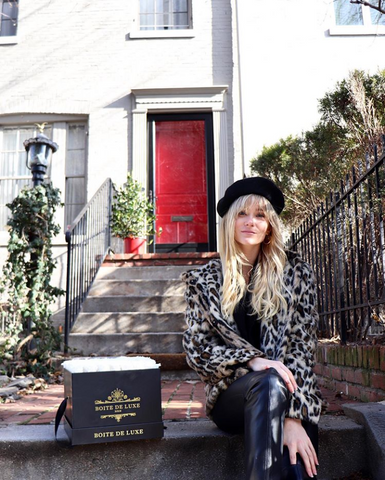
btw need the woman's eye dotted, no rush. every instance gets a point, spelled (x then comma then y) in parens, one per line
(260, 215)
(241, 213)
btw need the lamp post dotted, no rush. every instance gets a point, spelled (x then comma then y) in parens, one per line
(38, 151)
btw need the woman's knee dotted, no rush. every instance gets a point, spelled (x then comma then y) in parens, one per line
(270, 382)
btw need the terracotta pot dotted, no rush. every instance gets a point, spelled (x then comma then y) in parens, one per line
(135, 245)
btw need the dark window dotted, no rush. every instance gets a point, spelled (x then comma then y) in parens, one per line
(9, 10)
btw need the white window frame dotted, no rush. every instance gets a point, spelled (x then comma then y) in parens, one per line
(366, 29)
(169, 33)
(9, 39)
(59, 124)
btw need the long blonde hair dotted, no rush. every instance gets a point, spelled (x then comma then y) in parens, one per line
(266, 285)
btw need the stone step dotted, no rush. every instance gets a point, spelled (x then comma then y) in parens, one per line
(124, 343)
(166, 272)
(122, 303)
(135, 287)
(134, 322)
(190, 449)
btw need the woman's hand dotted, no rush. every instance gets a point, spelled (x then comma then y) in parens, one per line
(297, 441)
(258, 363)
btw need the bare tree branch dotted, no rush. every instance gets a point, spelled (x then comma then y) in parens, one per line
(379, 6)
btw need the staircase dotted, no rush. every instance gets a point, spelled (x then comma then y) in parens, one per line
(135, 306)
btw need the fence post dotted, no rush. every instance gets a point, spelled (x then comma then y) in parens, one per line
(67, 311)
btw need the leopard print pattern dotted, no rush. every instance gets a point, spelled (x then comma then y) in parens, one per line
(219, 355)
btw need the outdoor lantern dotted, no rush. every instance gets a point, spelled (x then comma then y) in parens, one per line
(38, 152)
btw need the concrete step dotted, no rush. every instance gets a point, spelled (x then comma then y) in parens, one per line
(123, 343)
(123, 303)
(166, 272)
(137, 287)
(134, 322)
(196, 450)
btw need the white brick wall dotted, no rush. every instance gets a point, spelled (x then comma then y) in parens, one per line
(76, 57)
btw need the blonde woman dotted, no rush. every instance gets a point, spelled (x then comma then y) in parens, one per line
(251, 336)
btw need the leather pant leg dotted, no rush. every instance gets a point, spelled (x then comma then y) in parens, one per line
(256, 404)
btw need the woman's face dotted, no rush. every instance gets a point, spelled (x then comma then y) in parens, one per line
(251, 228)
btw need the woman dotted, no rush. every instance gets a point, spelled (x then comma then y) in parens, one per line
(251, 335)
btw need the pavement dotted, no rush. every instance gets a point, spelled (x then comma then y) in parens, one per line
(181, 400)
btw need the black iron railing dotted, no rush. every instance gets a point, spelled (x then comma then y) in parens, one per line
(88, 240)
(344, 242)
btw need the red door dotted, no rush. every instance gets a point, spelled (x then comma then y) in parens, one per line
(181, 184)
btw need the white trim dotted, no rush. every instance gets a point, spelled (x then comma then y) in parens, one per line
(357, 30)
(366, 29)
(11, 40)
(187, 99)
(177, 33)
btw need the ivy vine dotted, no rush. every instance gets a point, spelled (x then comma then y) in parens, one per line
(29, 337)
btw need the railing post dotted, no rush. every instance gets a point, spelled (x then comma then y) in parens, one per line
(67, 308)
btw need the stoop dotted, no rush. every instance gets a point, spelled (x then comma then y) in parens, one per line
(196, 450)
(132, 309)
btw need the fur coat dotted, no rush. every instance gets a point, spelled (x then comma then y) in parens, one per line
(219, 355)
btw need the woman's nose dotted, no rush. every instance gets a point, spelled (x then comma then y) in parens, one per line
(249, 220)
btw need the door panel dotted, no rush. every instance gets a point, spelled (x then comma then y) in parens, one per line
(181, 182)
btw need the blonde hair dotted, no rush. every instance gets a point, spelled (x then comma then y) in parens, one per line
(266, 285)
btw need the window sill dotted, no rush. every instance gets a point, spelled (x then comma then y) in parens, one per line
(357, 30)
(13, 40)
(188, 33)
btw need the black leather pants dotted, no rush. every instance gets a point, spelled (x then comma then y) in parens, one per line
(256, 404)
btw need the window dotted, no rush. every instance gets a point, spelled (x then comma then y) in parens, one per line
(164, 14)
(355, 19)
(14, 174)
(75, 194)
(9, 10)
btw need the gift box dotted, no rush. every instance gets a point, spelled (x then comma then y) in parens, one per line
(111, 404)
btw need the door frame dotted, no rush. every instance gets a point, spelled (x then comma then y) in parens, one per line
(207, 117)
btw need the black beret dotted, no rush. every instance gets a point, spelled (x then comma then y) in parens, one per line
(252, 185)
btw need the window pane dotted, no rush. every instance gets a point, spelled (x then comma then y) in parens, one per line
(180, 20)
(9, 189)
(163, 14)
(76, 137)
(75, 198)
(146, 6)
(8, 19)
(162, 6)
(75, 163)
(377, 17)
(347, 13)
(180, 5)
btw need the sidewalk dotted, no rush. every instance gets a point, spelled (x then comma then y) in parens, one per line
(181, 400)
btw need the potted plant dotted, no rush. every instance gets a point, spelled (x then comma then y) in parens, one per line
(133, 216)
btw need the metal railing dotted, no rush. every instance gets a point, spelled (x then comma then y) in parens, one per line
(88, 240)
(344, 242)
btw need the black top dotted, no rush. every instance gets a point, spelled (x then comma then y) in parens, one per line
(249, 324)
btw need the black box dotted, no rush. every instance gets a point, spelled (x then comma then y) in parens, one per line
(113, 406)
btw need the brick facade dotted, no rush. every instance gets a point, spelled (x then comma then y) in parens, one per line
(357, 371)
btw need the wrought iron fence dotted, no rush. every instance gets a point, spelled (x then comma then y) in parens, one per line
(88, 240)
(344, 242)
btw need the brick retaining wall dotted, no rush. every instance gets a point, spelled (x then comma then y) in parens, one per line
(357, 371)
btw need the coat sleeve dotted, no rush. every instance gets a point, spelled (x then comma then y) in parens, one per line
(302, 342)
(213, 355)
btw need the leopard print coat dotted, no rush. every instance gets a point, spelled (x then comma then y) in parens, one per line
(219, 355)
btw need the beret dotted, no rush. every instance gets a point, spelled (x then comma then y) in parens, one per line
(252, 185)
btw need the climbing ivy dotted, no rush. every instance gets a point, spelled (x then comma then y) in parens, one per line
(29, 336)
